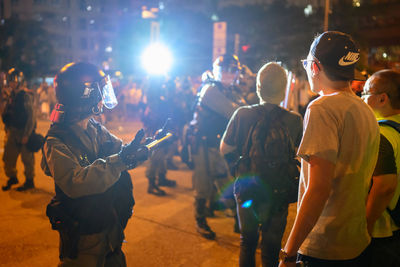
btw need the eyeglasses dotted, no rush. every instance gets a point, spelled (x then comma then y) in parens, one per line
(305, 62)
(368, 93)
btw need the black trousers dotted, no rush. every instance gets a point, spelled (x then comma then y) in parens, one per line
(361, 261)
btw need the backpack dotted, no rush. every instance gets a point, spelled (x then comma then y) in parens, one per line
(395, 213)
(15, 113)
(269, 153)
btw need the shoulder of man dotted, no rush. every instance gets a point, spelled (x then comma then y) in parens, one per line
(249, 112)
(57, 131)
(389, 132)
(100, 128)
(103, 134)
(292, 116)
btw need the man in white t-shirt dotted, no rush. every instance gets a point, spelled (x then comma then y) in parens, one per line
(339, 151)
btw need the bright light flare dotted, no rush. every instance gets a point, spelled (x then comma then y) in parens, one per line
(247, 204)
(157, 59)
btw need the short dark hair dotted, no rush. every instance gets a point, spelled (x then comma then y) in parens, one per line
(388, 82)
(334, 76)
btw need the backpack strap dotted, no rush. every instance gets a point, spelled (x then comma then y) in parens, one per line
(393, 213)
(390, 123)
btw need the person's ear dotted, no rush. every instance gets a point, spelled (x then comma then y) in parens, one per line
(314, 68)
(384, 98)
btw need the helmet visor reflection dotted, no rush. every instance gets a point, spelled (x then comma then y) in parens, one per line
(107, 92)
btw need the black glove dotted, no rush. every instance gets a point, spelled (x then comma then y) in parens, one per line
(134, 152)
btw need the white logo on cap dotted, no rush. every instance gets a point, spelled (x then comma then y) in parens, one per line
(349, 59)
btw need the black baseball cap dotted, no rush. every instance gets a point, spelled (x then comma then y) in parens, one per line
(338, 53)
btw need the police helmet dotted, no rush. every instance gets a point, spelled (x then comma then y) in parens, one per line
(15, 75)
(228, 63)
(82, 83)
(79, 89)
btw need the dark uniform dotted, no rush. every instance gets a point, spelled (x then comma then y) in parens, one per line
(159, 103)
(216, 104)
(19, 121)
(85, 164)
(89, 165)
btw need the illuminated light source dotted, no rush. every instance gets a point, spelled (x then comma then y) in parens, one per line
(247, 204)
(308, 10)
(106, 66)
(384, 55)
(66, 66)
(356, 3)
(157, 59)
(149, 14)
(89, 8)
(118, 73)
(108, 49)
(245, 48)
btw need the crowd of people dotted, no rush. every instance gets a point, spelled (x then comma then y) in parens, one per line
(339, 161)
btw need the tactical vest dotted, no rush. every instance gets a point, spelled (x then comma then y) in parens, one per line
(93, 213)
(15, 114)
(210, 124)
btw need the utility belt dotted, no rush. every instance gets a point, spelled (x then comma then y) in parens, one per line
(61, 219)
(70, 228)
(67, 227)
(195, 138)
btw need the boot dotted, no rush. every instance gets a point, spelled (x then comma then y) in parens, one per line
(204, 230)
(154, 189)
(11, 181)
(163, 181)
(26, 186)
(201, 223)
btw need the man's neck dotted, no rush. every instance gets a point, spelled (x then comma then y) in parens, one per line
(329, 89)
(389, 112)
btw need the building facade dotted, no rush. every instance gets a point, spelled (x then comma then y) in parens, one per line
(79, 30)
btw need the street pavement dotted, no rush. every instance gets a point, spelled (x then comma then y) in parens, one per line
(161, 232)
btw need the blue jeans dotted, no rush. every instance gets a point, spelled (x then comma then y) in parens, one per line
(257, 212)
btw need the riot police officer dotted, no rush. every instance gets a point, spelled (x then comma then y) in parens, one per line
(217, 100)
(19, 121)
(89, 165)
(159, 105)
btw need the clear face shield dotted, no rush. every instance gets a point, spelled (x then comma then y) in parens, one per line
(228, 76)
(101, 91)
